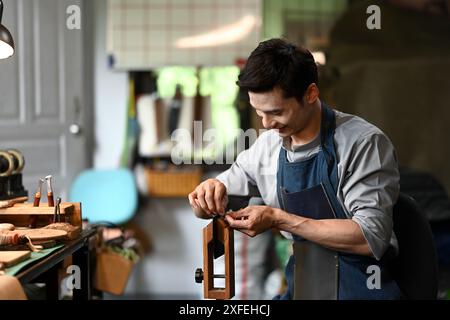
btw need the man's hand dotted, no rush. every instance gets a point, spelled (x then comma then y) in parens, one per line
(209, 199)
(252, 220)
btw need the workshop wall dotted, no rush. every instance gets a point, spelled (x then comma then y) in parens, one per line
(110, 97)
(397, 78)
(277, 13)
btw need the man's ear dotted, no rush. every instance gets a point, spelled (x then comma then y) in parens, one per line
(312, 93)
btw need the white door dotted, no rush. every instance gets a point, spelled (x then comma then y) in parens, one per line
(42, 92)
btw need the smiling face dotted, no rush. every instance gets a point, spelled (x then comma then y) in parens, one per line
(285, 115)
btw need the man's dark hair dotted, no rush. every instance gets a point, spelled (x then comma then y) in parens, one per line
(276, 62)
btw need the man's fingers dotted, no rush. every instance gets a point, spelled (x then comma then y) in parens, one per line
(201, 208)
(240, 214)
(192, 201)
(237, 224)
(201, 201)
(219, 195)
(209, 198)
(224, 202)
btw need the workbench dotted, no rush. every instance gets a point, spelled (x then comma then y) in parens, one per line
(46, 269)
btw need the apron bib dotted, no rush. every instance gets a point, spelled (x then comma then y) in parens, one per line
(315, 272)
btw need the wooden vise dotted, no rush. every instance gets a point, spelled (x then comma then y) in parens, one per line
(218, 240)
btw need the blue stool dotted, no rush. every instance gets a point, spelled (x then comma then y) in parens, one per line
(106, 195)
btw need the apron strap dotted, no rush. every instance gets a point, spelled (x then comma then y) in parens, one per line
(330, 176)
(280, 174)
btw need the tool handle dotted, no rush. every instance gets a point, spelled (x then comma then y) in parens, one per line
(33, 219)
(37, 199)
(51, 202)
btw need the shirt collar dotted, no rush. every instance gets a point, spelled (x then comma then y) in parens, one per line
(296, 148)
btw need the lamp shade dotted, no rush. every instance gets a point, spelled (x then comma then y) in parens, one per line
(6, 43)
(6, 40)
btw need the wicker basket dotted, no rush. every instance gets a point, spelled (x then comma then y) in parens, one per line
(172, 183)
(112, 272)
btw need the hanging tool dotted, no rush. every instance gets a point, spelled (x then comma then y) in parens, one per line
(57, 214)
(51, 202)
(36, 201)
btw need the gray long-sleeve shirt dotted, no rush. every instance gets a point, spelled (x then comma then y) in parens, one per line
(367, 173)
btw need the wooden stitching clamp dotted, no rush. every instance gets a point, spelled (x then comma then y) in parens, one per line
(218, 240)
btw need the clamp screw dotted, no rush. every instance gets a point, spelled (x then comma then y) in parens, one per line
(199, 275)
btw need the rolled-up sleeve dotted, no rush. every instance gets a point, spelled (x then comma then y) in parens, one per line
(239, 179)
(371, 189)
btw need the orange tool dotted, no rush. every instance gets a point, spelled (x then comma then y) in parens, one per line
(51, 202)
(36, 201)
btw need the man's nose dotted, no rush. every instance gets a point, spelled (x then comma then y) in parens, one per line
(267, 122)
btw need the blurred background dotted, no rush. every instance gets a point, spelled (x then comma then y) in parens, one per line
(99, 87)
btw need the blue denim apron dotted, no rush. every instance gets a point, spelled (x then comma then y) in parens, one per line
(319, 273)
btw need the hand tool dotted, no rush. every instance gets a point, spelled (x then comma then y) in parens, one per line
(37, 195)
(10, 202)
(51, 202)
(36, 201)
(57, 214)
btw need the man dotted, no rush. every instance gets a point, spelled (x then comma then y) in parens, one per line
(328, 179)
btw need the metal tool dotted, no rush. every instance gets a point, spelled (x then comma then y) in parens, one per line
(36, 201)
(51, 202)
(57, 214)
(37, 194)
